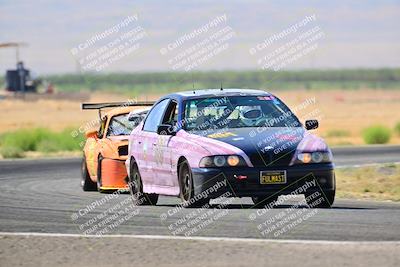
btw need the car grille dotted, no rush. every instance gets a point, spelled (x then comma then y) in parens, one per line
(271, 159)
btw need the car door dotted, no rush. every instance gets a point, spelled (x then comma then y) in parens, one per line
(93, 150)
(163, 151)
(148, 141)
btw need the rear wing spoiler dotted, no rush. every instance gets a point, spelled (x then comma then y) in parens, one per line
(115, 105)
(100, 106)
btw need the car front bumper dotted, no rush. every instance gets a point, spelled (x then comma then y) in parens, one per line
(217, 181)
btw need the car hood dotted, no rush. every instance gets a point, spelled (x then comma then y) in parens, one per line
(267, 146)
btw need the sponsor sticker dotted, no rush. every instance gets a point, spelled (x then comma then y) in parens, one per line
(221, 135)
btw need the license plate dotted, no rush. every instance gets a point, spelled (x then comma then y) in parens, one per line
(273, 177)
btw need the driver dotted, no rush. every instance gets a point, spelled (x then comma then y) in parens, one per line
(250, 115)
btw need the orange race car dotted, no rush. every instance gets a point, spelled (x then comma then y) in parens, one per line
(106, 149)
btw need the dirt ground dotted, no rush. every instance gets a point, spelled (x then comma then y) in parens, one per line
(348, 112)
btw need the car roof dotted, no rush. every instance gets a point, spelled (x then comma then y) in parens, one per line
(215, 93)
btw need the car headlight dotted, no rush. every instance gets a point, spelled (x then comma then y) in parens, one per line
(314, 157)
(219, 161)
(222, 161)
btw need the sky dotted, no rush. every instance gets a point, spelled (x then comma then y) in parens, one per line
(344, 34)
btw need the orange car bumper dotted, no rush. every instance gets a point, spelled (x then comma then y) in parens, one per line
(113, 174)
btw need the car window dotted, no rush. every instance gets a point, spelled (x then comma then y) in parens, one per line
(154, 117)
(120, 125)
(238, 112)
(136, 118)
(171, 115)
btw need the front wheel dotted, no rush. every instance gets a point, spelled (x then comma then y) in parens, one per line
(187, 189)
(324, 199)
(136, 188)
(86, 183)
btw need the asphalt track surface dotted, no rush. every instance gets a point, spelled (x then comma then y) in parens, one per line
(44, 216)
(45, 196)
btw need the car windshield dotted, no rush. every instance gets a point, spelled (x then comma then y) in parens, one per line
(237, 112)
(120, 125)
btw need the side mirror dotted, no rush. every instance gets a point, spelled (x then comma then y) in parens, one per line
(91, 134)
(165, 129)
(311, 124)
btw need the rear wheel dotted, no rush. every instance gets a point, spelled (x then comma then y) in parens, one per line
(187, 188)
(324, 200)
(136, 188)
(263, 201)
(86, 183)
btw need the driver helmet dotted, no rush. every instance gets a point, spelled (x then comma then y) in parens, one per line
(250, 114)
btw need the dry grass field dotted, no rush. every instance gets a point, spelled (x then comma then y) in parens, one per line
(49, 113)
(372, 182)
(342, 114)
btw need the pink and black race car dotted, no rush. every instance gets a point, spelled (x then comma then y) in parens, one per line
(199, 145)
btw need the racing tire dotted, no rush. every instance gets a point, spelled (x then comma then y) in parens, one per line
(327, 202)
(86, 183)
(136, 188)
(187, 196)
(264, 201)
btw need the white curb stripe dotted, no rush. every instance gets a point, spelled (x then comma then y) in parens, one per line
(201, 238)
